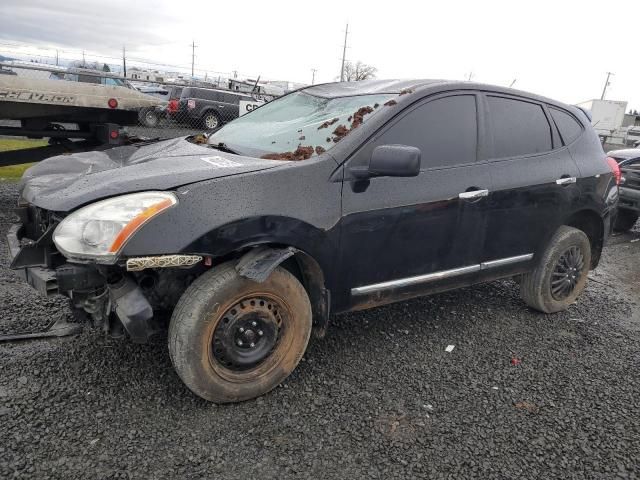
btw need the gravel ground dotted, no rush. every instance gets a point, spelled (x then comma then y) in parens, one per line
(522, 395)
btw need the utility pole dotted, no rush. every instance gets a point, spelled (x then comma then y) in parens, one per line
(193, 56)
(344, 53)
(124, 61)
(56, 57)
(84, 64)
(606, 84)
(313, 75)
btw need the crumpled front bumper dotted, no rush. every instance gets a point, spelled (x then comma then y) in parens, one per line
(41, 278)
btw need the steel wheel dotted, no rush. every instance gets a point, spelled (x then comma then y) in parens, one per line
(231, 338)
(248, 333)
(566, 273)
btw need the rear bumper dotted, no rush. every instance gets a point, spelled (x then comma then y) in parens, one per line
(40, 278)
(629, 199)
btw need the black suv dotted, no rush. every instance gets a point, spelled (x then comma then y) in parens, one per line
(332, 198)
(629, 208)
(210, 108)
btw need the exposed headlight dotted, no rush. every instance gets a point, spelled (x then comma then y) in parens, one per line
(100, 230)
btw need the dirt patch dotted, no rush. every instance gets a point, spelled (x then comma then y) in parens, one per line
(320, 150)
(528, 406)
(391, 103)
(300, 153)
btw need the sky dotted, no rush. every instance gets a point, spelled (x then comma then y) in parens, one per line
(562, 49)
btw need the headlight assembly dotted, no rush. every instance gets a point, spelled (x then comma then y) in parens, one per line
(100, 230)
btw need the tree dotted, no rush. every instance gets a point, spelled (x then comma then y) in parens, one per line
(358, 71)
(105, 68)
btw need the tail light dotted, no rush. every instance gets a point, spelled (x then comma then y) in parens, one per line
(113, 103)
(615, 168)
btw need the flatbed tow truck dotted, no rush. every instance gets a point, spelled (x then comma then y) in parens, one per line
(42, 107)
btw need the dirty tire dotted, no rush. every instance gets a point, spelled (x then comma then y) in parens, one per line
(210, 120)
(536, 286)
(625, 220)
(205, 308)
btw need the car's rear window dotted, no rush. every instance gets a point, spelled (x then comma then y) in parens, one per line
(519, 127)
(568, 126)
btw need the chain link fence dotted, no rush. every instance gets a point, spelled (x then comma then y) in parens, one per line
(36, 97)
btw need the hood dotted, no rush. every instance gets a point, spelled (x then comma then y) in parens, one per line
(65, 182)
(625, 154)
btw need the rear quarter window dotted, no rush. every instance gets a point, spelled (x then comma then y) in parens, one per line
(569, 127)
(519, 127)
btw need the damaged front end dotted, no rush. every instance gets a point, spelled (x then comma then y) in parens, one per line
(129, 295)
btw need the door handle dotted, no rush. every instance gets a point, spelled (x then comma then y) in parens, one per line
(566, 180)
(473, 194)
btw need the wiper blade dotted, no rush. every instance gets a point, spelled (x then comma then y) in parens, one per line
(223, 148)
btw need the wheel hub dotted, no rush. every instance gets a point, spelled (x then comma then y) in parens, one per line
(247, 333)
(567, 273)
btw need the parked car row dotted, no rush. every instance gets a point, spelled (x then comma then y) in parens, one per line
(206, 108)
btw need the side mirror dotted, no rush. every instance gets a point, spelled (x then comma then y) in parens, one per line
(390, 161)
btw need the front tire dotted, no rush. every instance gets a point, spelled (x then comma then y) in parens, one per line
(625, 220)
(232, 339)
(561, 272)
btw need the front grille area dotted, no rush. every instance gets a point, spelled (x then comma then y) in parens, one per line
(36, 221)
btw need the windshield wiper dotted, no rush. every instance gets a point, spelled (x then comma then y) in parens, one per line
(223, 148)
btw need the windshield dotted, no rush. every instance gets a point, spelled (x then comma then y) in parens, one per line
(297, 126)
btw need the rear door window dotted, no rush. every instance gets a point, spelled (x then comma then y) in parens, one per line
(445, 130)
(568, 126)
(519, 127)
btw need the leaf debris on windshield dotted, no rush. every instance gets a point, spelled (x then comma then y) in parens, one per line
(328, 123)
(391, 103)
(358, 117)
(303, 153)
(340, 132)
(300, 153)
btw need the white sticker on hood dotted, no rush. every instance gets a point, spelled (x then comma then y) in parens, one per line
(220, 162)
